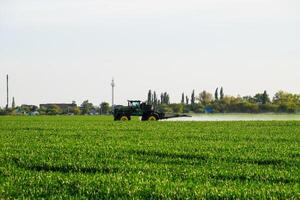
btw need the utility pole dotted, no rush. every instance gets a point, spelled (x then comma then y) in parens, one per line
(7, 92)
(113, 93)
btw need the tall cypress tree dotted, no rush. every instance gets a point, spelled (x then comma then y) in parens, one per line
(182, 98)
(167, 98)
(187, 100)
(162, 98)
(221, 94)
(265, 98)
(155, 103)
(193, 98)
(217, 94)
(149, 99)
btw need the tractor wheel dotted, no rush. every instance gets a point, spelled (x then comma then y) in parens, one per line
(124, 118)
(144, 118)
(116, 117)
(152, 117)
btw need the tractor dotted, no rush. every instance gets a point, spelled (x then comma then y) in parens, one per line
(139, 108)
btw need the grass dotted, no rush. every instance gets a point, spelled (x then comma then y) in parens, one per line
(95, 157)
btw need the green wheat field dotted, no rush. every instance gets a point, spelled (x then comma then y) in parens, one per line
(84, 157)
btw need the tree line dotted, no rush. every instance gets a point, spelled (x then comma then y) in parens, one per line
(204, 102)
(218, 102)
(86, 108)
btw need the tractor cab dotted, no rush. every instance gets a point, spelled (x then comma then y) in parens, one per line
(138, 108)
(134, 104)
(135, 107)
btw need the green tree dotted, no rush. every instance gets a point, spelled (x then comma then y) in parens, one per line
(53, 110)
(198, 108)
(217, 94)
(221, 94)
(249, 99)
(182, 98)
(187, 100)
(269, 107)
(41, 110)
(75, 110)
(177, 108)
(286, 102)
(104, 108)
(283, 97)
(186, 108)
(86, 107)
(164, 108)
(193, 98)
(165, 98)
(155, 100)
(265, 98)
(29, 108)
(297, 101)
(262, 98)
(149, 98)
(205, 98)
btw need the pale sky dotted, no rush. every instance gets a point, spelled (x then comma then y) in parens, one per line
(64, 50)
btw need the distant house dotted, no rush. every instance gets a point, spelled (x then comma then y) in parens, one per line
(65, 107)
